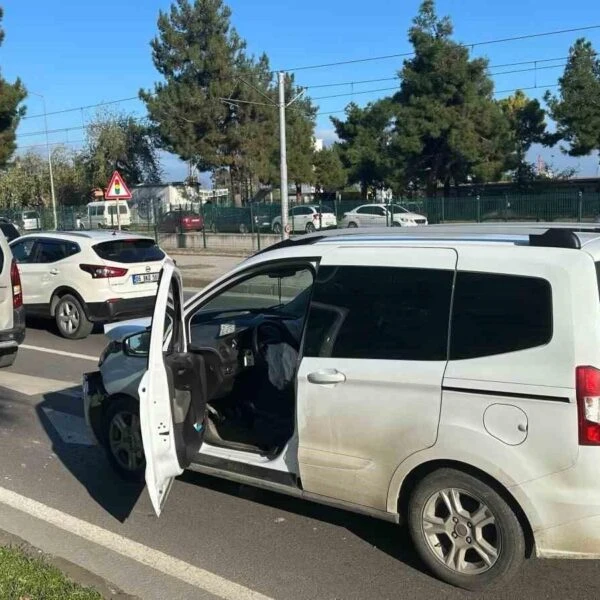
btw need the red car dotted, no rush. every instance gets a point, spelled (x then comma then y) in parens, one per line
(180, 222)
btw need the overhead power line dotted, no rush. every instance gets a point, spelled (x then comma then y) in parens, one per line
(523, 89)
(528, 70)
(312, 87)
(79, 108)
(467, 45)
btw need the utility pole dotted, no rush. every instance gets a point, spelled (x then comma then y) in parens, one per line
(283, 158)
(282, 139)
(49, 159)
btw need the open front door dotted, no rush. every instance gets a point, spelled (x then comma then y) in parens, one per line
(172, 393)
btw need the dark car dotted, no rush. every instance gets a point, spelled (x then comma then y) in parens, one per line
(234, 219)
(180, 222)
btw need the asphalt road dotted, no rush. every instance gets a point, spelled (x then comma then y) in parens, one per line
(235, 541)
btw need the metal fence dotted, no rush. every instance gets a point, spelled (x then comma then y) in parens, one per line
(256, 223)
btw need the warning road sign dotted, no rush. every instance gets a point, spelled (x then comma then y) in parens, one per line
(117, 190)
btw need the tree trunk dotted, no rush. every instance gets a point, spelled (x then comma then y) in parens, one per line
(447, 187)
(364, 188)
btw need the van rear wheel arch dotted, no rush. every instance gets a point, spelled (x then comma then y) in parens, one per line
(421, 471)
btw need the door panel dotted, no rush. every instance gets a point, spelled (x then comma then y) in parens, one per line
(370, 382)
(172, 393)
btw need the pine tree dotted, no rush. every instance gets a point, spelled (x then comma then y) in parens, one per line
(576, 110)
(198, 54)
(448, 126)
(11, 111)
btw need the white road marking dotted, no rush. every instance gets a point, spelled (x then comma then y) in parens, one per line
(70, 428)
(60, 352)
(33, 386)
(164, 563)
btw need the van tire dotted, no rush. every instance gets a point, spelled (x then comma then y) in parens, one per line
(8, 358)
(71, 319)
(503, 533)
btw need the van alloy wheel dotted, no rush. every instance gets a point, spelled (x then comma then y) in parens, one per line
(465, 529)
(461, 531)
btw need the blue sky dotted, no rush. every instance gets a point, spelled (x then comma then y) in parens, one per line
(80, 52)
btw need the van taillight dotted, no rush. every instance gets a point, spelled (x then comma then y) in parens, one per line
(588, 405)
(15, 279)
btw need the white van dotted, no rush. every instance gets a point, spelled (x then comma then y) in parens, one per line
(104, 215)
(447, 377)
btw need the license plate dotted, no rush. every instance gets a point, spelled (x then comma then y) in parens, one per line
(146, 278)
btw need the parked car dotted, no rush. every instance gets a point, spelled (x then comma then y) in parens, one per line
(448, 377)
(9, 230)
(82, 278)
(180, 222)
(235, 219)
(30, 220)
(103, 215)
(382, 215)
(307, 218)
(12, 313)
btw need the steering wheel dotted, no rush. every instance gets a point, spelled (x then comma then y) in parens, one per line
(270, 331)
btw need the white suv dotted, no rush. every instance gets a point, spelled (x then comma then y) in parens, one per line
(307, 218)
(80, 278)
(12, 313)
(447, 378)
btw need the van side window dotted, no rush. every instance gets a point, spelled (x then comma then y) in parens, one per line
(494, 314)
(384, 313)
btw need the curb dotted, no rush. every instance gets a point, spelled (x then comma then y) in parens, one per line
(74, 572)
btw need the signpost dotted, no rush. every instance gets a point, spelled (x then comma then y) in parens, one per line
(117, 190)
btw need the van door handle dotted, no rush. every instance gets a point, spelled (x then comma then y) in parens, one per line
(326, 377)
(54, 271)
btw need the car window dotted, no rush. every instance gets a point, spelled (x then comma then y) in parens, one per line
(49, 251)
(280, 294)
(129, 251)
(364, 210)
(382, 313)
(273, 289)
(23, 250)
(495, 314)
(112, 209)
(397, 208)
(30, 215)
(10, 231)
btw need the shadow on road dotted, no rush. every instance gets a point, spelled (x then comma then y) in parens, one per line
(384, 536)
(86, 462)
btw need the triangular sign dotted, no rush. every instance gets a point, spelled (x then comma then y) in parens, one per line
(117, 189)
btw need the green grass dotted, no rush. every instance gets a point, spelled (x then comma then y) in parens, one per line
(25, 578)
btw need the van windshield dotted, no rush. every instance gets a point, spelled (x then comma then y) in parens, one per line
(129, 251)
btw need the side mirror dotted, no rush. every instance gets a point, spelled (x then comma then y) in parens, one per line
(137, 345)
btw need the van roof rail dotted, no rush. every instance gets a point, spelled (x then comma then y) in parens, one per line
(556, 238)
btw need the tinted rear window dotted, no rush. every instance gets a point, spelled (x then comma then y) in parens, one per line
(30, 215)
(385, 313)
(495, 314)
(129, 251)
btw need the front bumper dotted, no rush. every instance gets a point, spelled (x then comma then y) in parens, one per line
(16, 335)
(94, 396)
(121, 309)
